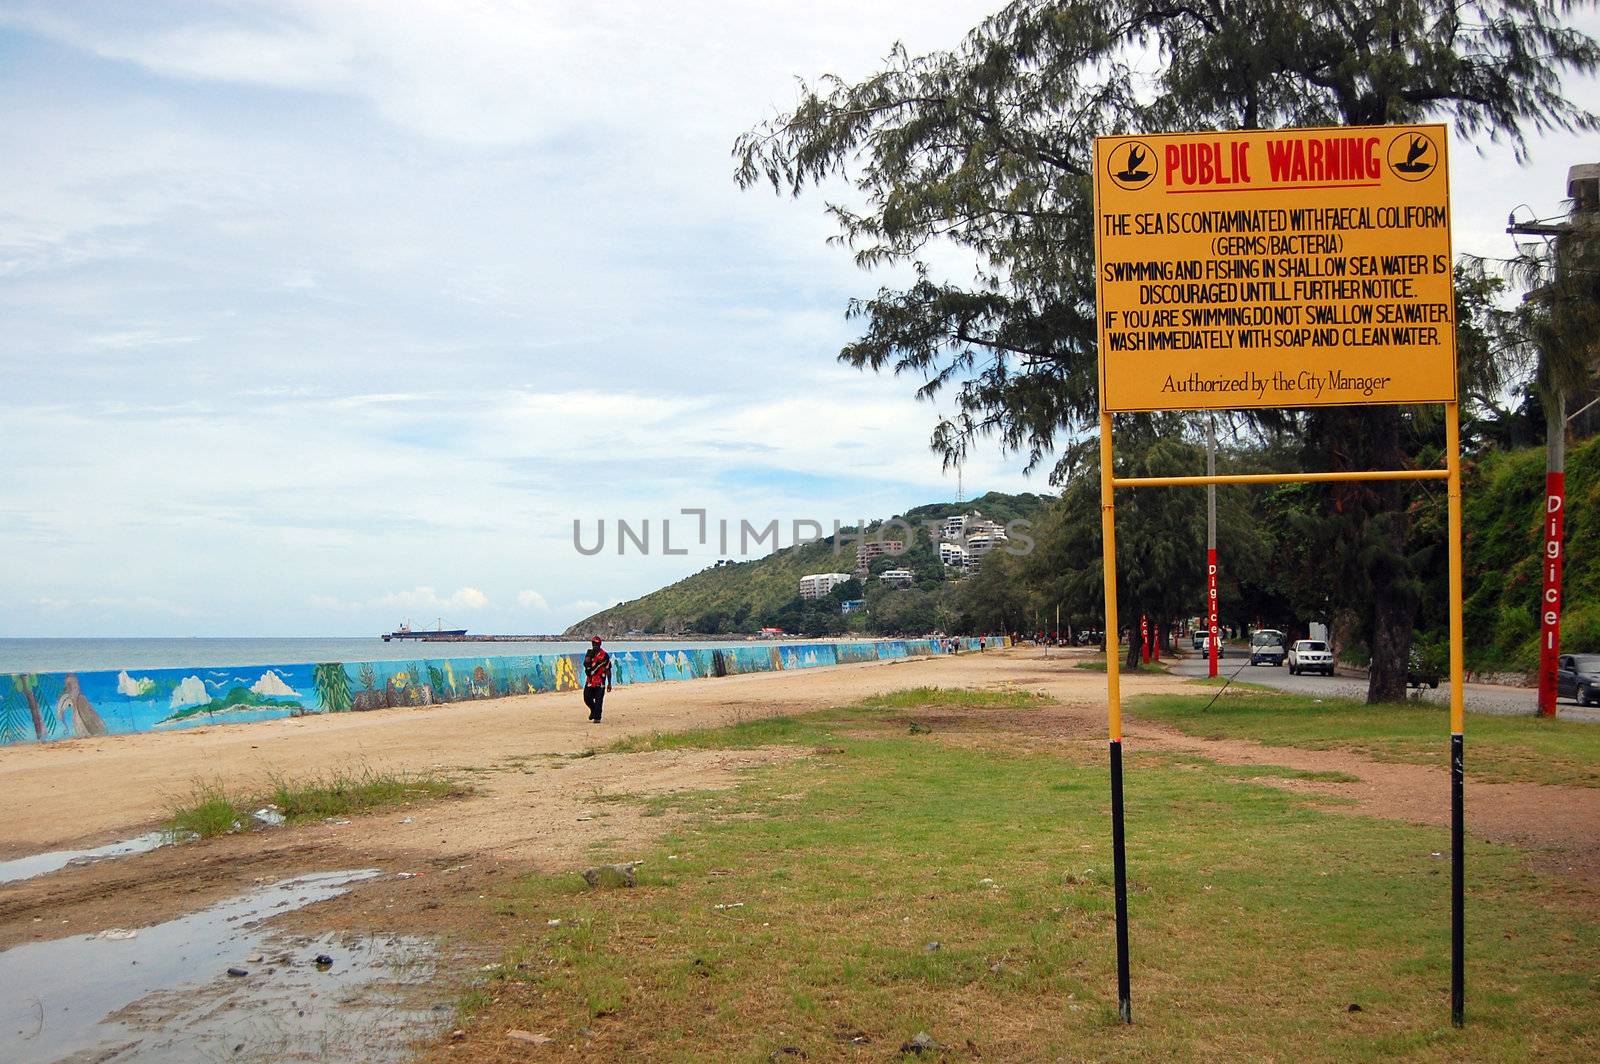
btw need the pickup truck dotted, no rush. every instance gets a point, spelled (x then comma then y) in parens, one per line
(1310, 655)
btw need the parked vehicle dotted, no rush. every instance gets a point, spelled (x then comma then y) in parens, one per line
(1199, 638)
(1310, 655)
(1578, 678)
(1267, 647)
(1204, 646)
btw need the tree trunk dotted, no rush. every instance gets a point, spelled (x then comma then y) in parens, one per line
(1555, 430)
(1394, 585)
(1135, 644)
(1392, 616)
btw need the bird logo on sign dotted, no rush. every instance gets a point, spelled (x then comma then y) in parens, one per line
(1132, 165)
(1412, 156)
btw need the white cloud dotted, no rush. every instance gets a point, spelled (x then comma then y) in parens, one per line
(533, 600)
(272, 684)
(440, 279)
(191, 692)
(425, 598)
(134, 688)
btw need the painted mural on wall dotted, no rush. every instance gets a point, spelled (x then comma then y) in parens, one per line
(37, 707)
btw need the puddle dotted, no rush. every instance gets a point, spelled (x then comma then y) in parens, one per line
(40, 863)
(165, 994)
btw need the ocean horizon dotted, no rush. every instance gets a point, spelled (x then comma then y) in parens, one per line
(96, 654)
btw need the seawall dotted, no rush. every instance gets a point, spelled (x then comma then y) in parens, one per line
(40, 707)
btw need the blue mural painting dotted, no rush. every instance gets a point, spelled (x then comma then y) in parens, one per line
(38, 707)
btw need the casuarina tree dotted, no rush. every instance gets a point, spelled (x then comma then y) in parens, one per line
(987, 147)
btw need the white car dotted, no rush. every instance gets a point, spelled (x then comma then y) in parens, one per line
(1310, 655)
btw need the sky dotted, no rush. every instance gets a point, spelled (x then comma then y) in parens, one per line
(317, 317)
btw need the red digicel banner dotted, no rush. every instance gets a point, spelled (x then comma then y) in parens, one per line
(1555, 490)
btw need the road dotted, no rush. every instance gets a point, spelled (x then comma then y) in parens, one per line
(1481, 697)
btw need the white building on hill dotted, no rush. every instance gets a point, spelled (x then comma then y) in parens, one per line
(982, 542)
(898, 577)
(819, 584)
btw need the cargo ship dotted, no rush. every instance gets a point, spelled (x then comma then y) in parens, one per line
(405, 631)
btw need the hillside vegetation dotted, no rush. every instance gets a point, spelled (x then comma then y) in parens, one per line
(1503, 512)
(739, 597)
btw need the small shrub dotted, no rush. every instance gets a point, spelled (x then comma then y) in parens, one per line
(209, 812)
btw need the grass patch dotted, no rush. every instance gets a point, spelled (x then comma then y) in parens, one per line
(1143, 666)
(744, 735)
(210, 809)
(949, 697)
(207, 812)
(1499, 749)
(812, 728)
(802, 910)
(1257, 772)
(345, 793)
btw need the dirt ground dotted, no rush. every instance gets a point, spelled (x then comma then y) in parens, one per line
(88, 791)
(536, 806)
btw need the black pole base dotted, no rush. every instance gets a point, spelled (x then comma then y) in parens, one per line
(1458, 960)
(1119, 863)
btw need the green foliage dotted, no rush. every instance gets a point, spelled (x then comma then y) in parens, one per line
(209, 811)
(988, 147)
(1160, 533)
(1503, 514)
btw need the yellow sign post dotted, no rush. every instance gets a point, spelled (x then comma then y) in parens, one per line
(1276, 268)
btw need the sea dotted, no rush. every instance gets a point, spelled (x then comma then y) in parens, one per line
(92, 655)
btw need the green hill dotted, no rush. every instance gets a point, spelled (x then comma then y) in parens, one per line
(740, 597)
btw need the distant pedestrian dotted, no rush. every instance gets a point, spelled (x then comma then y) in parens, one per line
(596, 678)
(983, 641)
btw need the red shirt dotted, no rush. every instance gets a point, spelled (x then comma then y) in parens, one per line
(596, 668)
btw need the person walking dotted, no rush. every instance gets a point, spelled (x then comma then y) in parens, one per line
(596, 678)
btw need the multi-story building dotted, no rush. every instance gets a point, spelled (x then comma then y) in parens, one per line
(982, 542)
(953, 555)
(897, 577)
(817, 585)
(867, 550)
(982, 526)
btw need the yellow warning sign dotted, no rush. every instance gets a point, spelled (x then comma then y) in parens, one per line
(1274, 268)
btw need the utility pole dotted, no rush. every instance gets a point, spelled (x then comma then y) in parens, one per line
(1583, 189)
(1211, 544)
